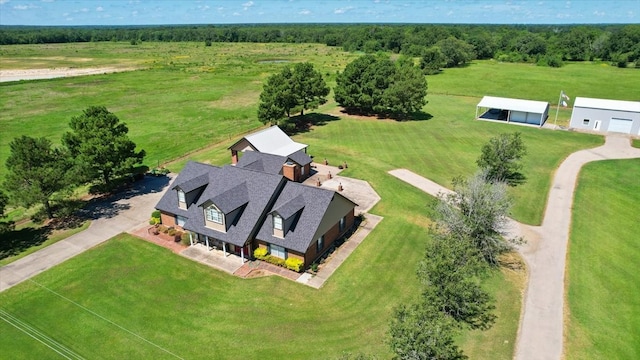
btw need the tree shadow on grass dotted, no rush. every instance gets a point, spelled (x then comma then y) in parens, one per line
(302, 123)
(516, 179)
(415, 116)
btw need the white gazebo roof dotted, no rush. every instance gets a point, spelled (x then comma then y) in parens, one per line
(621, 105)
(531, 106)
(274, 141)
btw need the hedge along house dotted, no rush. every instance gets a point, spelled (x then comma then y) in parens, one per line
(606, 115)
(508, 110)
(228, 207)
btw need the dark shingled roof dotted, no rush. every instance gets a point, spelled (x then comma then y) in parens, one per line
(260, 189)
(316, 202)
(300, 157)
(192, 170)
(191, 184)
(270, 164)
(230, 199)
(291, 207)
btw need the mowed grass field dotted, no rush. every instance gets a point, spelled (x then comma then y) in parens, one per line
(603, 284)
(192, 102)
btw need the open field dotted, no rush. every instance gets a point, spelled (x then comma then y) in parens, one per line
(603, 283)
(191, 103)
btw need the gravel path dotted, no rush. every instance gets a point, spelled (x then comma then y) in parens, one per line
(540, 335)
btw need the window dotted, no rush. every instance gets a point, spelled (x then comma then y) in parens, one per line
(214, 215)
(277, 222)
(278, 251)
(301, 170)
(343, 223)
(180, 220)
(585, 122)
(320, 244)
(181, 197)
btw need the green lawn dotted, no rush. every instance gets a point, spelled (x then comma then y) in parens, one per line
(603, 279)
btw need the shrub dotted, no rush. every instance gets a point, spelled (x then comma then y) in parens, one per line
(153, 221)
(314, 267)
(260, 253)
(171, 232)
(274, 260)
(294, 264)
(184, 239)
(163, 229)
(156, 214)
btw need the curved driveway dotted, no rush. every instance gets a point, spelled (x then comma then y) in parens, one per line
(540, 335)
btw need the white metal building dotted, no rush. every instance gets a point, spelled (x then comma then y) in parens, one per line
(512, 110)
(606, 115)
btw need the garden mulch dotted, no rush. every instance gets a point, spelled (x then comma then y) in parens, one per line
(164, 240)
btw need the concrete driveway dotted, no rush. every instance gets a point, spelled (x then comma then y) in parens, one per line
(540, 336)
(112, 216)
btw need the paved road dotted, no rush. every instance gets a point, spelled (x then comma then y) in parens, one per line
(540, 336)
(110, 217)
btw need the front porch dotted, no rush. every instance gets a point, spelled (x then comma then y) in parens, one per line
(242, 254)
(229, 263)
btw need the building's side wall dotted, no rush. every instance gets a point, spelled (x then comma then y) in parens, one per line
(333, 234)
(579, 114)
(167, 219)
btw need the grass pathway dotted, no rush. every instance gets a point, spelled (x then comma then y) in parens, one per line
(541, 327)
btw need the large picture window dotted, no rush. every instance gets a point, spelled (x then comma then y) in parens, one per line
(214, 215)
(180, 220)
(181, 197)
(278, 251)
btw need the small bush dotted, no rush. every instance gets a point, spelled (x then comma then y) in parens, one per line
(260, 253)
(163, 229)
(156, 214)
(172, 232)
(274, 260)
(314, 267)
(152, 221)
(185, 239)
(294, 264)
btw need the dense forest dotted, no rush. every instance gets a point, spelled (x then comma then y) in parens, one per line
(546, 44)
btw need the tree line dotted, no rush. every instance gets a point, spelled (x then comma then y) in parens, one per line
(543, 44)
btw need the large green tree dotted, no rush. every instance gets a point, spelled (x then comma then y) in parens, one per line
(376, 85)
(4, 225)
(99, 143)
(500, 158)
(456, 52)
(292, 90)
(36, 172)
(421, 332)
(451, 274)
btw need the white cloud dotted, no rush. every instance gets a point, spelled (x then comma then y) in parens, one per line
(203, 7)
(247, 5)
(304, 12)
(4, 1)
(236, 14)
(99, 8)
(134, 13)
(84, 10)
(598, 13)
(48, 1)
(450, 13)
(342, 10)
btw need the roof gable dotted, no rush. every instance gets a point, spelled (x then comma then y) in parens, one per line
(231, 199)
(273, 141)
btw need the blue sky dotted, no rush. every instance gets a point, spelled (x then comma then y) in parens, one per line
(151, 12)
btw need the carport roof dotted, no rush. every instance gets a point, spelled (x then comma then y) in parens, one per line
(530, 106)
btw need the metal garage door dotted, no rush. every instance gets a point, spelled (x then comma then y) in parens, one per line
(518, 116)
(620, 125)
(533, 118)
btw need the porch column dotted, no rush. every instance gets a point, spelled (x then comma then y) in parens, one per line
(206, 239)
(190, 238)
(224, 248)
(242, 254)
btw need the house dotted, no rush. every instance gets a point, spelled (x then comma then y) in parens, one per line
(239, 209)
(513, 110)
(606, 115)
(271, 140)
